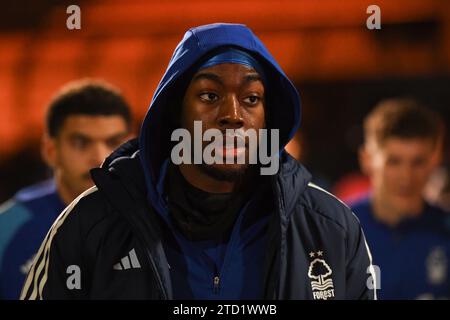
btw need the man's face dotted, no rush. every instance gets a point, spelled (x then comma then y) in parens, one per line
(224, 96)
(82, 143)
(399, 170)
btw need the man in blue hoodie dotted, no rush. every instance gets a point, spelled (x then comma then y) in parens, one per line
(86, 121)
(157, 228)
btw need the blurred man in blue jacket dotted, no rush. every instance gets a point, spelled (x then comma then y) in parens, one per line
(86, 121)
(409, 238)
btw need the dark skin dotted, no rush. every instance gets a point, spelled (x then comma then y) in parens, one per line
(224, 96)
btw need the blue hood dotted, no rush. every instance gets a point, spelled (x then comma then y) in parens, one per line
(283, 101)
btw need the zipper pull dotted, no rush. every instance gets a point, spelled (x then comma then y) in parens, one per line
(216, 284)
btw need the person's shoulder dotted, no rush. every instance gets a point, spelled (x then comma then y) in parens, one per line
(27, 205)
(37, 199)
(84, 213)
(320, 202)
(9, 207)
(36, 191)
(18, 210)
(361, 207)
(13, 215)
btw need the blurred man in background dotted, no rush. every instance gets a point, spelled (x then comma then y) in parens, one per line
(409, 238)
(85, 121)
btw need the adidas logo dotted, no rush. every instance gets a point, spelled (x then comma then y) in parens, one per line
(130, 261)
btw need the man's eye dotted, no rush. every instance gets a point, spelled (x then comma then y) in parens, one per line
(252, 100)
(419, 162)
(209, 97)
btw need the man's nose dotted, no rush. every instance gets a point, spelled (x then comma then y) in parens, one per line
(230, 114)
(407, 174)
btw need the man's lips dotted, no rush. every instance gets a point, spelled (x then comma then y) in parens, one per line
(230, 147)
(234, 140)
(234, 145)
(231, 151)
(229, 142)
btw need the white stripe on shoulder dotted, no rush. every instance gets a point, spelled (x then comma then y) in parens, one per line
(312, 185)
(44, 252)
(7, 205)
(371, 269)
(369, 254)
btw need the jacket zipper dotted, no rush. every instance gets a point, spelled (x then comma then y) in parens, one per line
(157, 275)
(216, 282)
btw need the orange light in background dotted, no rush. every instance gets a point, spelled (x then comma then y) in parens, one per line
(130, 43)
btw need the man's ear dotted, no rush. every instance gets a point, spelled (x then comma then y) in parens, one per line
(48, 150)
(364, 158)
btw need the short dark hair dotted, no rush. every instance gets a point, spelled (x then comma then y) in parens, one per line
(403, 118)
(85, 97)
